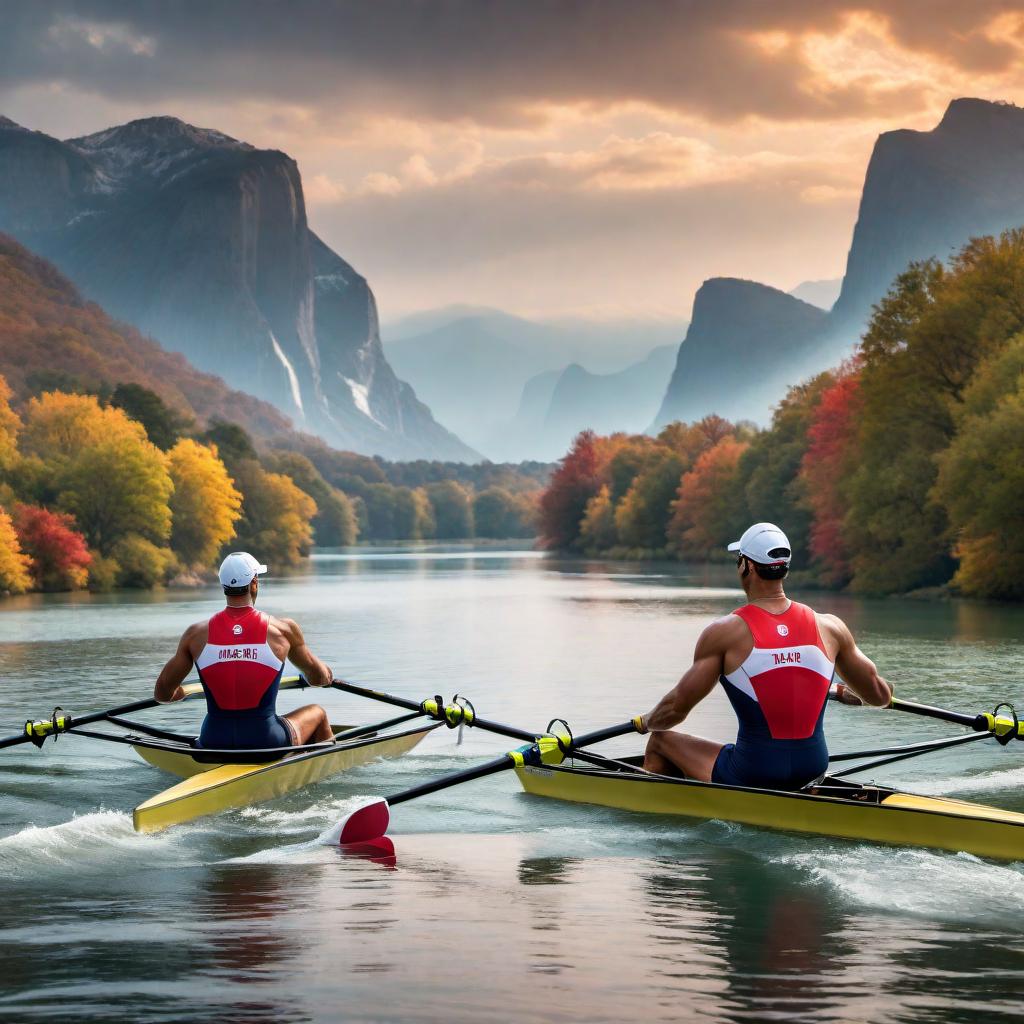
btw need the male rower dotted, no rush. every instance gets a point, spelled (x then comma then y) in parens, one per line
(239, 654)
(776, 660)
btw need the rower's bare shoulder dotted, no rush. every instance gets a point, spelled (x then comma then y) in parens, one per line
(287, 629)
(724, 631)
(195, 636)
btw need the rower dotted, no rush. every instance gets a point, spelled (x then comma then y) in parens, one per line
(776, 660)
(239, 654)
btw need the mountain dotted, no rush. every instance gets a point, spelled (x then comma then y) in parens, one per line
(202, 242)
(822, 294)
(48, 331)
(925, 194)
(743, 343)
(472, 370)
(555, 406)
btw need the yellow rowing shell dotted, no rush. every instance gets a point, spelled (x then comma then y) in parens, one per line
(209, 789)
(872, 813)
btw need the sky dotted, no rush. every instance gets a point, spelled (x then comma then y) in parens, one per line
(580, 157)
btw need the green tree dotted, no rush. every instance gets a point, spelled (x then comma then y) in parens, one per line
(232, 442)
(335, 523)
(163, 424)
(642, 516)
(499, 514)
(453, 510)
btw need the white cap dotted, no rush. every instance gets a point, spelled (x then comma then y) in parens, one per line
(765, 544)
(239, 569)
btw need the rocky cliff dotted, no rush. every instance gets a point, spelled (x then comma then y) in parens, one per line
(744, 345)
(925, 194)
(202, 242)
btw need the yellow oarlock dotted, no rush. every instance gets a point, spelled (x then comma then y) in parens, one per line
(44, 728)
(1001, 726)
(547, 750)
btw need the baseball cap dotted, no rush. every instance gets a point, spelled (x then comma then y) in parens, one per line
(239, 569)
(765, 544)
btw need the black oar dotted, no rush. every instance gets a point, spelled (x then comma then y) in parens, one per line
(61, 721)
(451, 714)
(1004, 729)
(370, 821)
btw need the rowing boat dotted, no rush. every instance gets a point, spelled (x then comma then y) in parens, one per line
(209, 788)
(833, 807)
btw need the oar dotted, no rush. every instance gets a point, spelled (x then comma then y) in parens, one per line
(36, 732)
(1004, 729)
(370, 821)
(451, 714)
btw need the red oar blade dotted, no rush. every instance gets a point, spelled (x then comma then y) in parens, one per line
(363, 825)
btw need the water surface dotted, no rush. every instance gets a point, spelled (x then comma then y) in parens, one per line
(500, 905)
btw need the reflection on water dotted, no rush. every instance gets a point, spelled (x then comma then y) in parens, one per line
(495, 905)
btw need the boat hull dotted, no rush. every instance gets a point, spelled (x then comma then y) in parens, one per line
(899, 819)
(212, 789)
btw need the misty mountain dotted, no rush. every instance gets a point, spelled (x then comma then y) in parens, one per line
(556, 406)
(822, 294)
(925, 194)
(472, 369)
(201, 241)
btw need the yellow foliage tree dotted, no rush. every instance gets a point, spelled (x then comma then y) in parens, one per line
(597, 529)
(276, 524)
(15, 575)
(205, 505)
(10, 424)
(101, 467)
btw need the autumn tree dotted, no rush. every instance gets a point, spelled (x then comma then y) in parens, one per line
(703, 514)
(10, 424)
(276, 523)
(59, 558)
(453, 510)
(579, 476)
(15, 565)
(101, 468)
(205, 504)
(597, 530)
(828, 462)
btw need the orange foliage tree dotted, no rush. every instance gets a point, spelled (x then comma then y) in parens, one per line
(703, 512)
(578, 478)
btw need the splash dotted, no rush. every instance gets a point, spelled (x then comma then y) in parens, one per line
(1009, 779)
(94, 843)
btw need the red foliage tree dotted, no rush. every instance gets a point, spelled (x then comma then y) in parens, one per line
(578, 478)
(831, 437)
(60, 558)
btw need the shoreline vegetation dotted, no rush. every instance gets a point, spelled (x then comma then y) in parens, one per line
(899, 472)
(114, 489)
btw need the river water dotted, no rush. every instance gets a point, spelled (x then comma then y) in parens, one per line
(500, 906)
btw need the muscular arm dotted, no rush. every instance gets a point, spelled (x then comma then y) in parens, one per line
(697, 683)
(857, 670)
(315, 671)
(172, 675)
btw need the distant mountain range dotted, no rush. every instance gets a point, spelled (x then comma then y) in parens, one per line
(201, 241)
(925, 194)
(822, 294)
(471, 365)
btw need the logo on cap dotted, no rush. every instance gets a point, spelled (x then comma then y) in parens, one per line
(782, 630)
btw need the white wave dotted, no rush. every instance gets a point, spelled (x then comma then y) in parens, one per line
(917, 882)
(1008, 779)
(88, 843)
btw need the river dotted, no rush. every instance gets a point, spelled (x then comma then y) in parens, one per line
(500, 906)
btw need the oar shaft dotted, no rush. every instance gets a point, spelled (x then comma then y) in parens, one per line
(472, 720)
(976, 722)
(509, 760)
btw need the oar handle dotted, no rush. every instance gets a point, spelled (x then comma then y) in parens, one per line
(35, 731)
(451, 714)
(985, 722)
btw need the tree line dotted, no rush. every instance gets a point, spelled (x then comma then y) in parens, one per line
(110, 487)
(901, 470)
